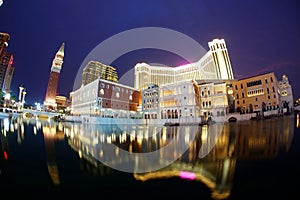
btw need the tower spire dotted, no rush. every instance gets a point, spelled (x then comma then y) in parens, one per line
(50, 102)
(62, 49)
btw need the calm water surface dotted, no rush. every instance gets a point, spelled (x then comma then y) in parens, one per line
(245, 160)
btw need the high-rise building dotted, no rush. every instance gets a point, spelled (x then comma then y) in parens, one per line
(94, 70)
(221, 59)
(4, 37)
(6, 71)
(50, 102)
(214, 65)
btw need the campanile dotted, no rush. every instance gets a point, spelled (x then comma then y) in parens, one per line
(49, 101)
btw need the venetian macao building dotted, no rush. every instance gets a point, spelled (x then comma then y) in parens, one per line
(214, 65)
(185, 101)
(213, 98)
(256, 93)
(106, 99)
(179, 96)
(179, 102)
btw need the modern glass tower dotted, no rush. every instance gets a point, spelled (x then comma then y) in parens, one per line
(49, 102)
(94, 70)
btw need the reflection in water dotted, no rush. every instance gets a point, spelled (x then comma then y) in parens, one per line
(51, 134)
(210, 157)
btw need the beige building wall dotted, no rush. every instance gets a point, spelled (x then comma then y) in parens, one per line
(251, 93)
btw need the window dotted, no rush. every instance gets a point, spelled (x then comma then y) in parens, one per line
(274, 96)
(273, 89)
(256, 99)
(101, 91)
(253, 83)
(243, 96)
(271, 79)
(266, 80)
(268, 96)
(237, 96)
(236, 87)
(242, 86)
(268, 90)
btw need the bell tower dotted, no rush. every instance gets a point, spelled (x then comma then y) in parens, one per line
(49, 102)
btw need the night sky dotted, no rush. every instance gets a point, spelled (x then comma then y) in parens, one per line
(261, 36)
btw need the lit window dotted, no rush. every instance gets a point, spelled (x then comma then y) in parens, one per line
(102, 92)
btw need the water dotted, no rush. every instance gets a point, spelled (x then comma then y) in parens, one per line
(245, 160)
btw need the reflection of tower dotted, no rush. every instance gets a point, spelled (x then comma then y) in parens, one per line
(49, 139)
(49, 102)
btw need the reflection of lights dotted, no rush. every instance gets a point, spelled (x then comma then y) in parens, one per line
(187, 138)
(80, 153)
(204, 133)
(298, 121)
(130, 148)
(6, 124)
(5, 155)
(108, 139)
(187, 175)
(117, 151)
(34, 130)
(101, 153)
(113, 137)
(12, 127)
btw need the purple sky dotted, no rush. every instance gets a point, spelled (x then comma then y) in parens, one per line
(261, 36)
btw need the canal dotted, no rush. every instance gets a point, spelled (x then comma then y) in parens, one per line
(236, 160)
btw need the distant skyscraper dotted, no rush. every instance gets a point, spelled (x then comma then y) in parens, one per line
(4, 37)
(94, 70)
(50, 102)
(6, 71)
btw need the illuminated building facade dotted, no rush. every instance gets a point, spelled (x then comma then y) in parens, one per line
(179, 102)
(61, 102)
(50, 102)
(215, 64)
(257, 93)
(94, 70)
(213, 98)
(6, 71)
(4, 38)
(150, 102)
(106, 99)
(286, 92)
